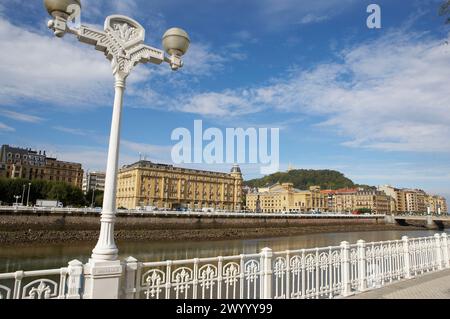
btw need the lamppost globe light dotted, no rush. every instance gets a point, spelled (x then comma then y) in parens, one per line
(176, 41)
(60, 7)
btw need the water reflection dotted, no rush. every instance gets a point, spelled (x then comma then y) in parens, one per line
(57, 255)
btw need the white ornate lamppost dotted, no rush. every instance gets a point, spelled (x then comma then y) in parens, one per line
(122, 42)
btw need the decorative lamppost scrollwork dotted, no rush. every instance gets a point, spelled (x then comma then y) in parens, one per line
(122, 42)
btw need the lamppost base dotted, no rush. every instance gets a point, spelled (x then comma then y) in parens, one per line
(104, 254)
(102, 279)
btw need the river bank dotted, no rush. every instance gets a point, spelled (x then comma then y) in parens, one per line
(40, 236)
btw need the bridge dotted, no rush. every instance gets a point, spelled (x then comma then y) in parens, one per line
(430, 221)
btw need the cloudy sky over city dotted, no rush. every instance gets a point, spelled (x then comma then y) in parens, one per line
(371, 103)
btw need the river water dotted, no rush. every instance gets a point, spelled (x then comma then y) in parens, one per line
(50, 256)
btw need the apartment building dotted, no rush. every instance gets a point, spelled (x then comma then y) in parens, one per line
(414, 200)
(94, 181)
(28, 164)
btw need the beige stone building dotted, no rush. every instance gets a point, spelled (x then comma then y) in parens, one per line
(414, 200)
(344, 200)
(352, 199)
(61, 171)
(377, 201)
(436, 204)
(285, 198)
(149, 184)
(33, 165)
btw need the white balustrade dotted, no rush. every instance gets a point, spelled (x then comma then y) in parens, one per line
(59, 283)
(326, 272)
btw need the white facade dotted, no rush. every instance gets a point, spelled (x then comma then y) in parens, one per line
(94, 180)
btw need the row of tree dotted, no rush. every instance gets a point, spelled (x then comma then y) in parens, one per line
(303, 179)
(67, 194)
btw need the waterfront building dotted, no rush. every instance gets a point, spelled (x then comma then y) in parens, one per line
(165, 186)
(378, 202)
(437, 204)
(414, 200)
(347, 200)
(29, 164)
(285, 198)
(94, 181)
(344, 200)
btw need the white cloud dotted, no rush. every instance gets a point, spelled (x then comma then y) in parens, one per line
(388, 94)
(66, 73)
(156, 152)
(21, 116)
(45, 68)
(74, 131)
(6, 128)
(217, 104)
(278, 14)
(311, 18)
(94, 157)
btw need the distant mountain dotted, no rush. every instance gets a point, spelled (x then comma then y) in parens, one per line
(304, 178)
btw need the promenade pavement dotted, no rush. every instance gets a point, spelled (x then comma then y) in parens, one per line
(428, 286)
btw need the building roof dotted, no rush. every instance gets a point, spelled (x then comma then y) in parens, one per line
(149, 164)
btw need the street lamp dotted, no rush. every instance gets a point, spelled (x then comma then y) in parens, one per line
(23, 193)
(93, 195)
(28, 196)
(122, 43)
(17, 199)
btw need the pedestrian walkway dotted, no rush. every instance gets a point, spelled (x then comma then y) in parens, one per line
(429, 286)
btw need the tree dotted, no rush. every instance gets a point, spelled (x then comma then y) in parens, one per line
(68, 194)
(98, 198)
(303, 179)
(444, 10)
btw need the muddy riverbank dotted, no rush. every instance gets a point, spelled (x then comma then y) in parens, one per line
(41, 236)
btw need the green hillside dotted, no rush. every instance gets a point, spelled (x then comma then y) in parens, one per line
(304, 178)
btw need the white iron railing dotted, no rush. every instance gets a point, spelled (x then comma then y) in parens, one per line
(62, 283)
(327, 272)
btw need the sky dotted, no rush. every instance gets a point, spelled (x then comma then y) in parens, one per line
(370, 103)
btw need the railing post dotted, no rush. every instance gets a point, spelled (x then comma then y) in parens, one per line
(345, 268)
(75, 270)
(437, 238)
(266, 273)
(444, 246)
(131, 266)
(407, 266)
(362, 279)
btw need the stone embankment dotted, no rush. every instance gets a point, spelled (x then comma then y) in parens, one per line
(27, 228)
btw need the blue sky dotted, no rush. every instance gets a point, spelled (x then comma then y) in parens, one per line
(372, 104)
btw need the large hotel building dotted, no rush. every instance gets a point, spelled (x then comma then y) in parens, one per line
(33, 165)
(165, 186)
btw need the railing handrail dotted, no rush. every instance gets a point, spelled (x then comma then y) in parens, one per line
(33, 273)
(192, 213)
